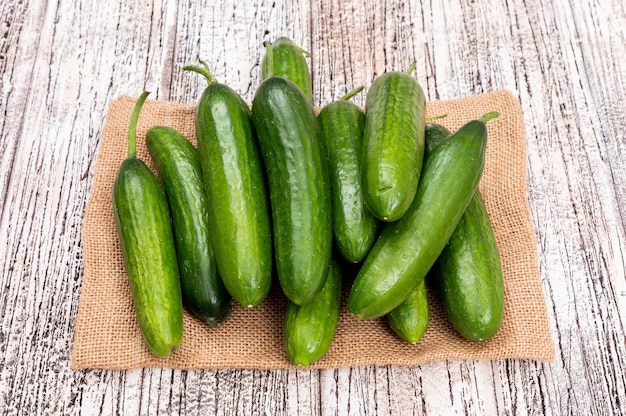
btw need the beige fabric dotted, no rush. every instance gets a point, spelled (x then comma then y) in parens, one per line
(107, 335)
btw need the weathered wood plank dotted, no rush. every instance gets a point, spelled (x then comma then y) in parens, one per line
(573, 210)
(13, 94)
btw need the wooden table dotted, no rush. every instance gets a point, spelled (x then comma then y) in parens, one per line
(63, 62)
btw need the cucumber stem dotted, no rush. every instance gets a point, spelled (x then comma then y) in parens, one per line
(132, 126)
(490, 115)
(202, 70)
(411, 67)
(437, 117)
(352, 93)
(269, 58)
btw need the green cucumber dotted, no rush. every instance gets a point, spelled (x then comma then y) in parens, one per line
(239, 218)
(284, 58)
(393, 143)
(434, 134)
(143, 220)
(178, 164)
(309, 329)
(409, 320)
(407, 249)
(468, 273)
(298, 186)
(354, 227)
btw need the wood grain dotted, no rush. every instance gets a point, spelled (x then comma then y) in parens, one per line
(63, 62)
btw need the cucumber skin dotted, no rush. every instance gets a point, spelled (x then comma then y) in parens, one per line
(393, 144)
(468, 273)
(178, 164)
(299, 191)
(408, 248)
(239, 219)
(354, 227)
(143, 223)
(409, 320)
(309, 329)
(288, 62)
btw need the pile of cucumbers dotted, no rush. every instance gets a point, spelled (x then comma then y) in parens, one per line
(276, 190)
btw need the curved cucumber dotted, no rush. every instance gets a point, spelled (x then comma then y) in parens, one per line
(309, 329)
(178, 164)
(284, 58)
(298, 183)
(235, 185)
(468, 273)
(393, 144)
(354, 227)
(143, 224)
(409, 320)
(407, 249)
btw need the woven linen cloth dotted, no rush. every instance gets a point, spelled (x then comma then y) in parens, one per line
(107, 335)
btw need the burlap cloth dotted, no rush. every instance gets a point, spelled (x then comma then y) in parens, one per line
(107, 335)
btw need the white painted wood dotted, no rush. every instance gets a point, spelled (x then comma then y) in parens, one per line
(62, 62)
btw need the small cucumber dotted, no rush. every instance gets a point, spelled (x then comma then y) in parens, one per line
(468, 273)
(407, 249)
(298, 185)
(354, 227)
(409, 320)
(239, 218)
(178, 165)
(309, 329)
(284, 58)
(393, 143)
(434, 134)
(142, 219)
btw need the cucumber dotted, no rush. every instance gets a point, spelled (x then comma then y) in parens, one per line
(468, 273)
(393, 144)
(178, 164)
(434, 134)
(409, 320)
(354, 227)
(309, 329)
(298, 186)
(142, 220)
(286, 59)
(238, 214)
(468, 276)
(407, 249)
